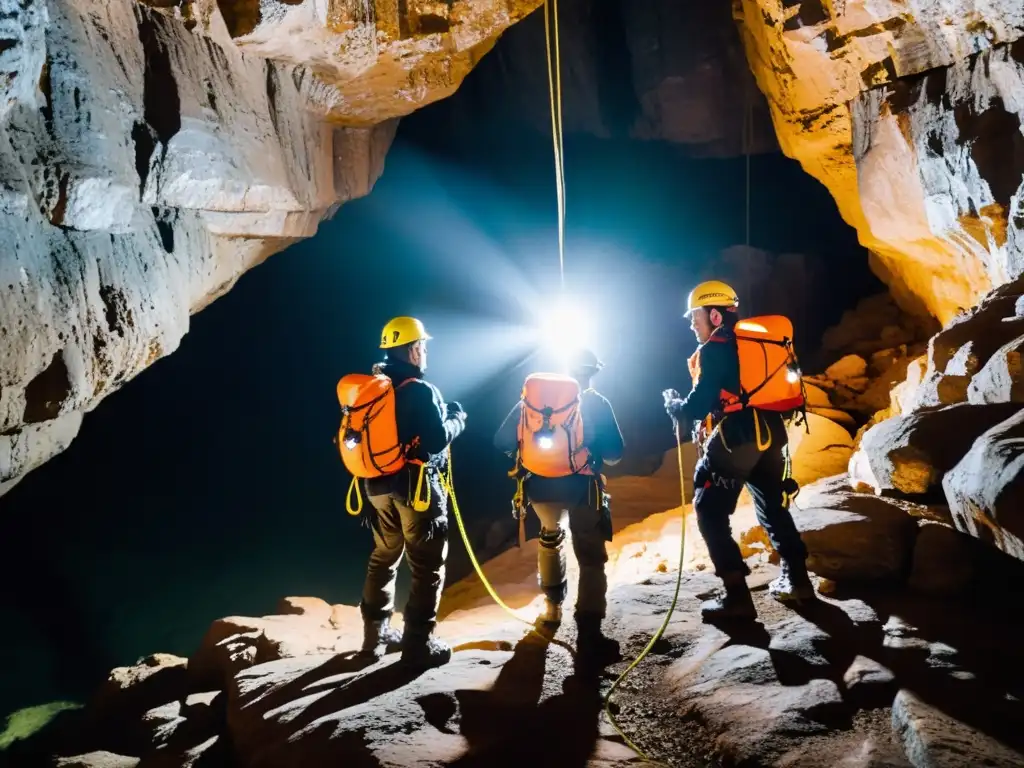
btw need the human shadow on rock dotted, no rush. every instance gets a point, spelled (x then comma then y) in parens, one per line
(509, 724)
(345, 680)
(978, 682)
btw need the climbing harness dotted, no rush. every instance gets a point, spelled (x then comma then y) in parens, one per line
(671, 608)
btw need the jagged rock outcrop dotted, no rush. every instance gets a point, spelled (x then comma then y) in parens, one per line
(985, 490)
(152, 152)
(958, 414)
(910, 113)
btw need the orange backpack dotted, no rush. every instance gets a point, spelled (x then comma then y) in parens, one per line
(550, 427)
(368, 435)
(770, 377)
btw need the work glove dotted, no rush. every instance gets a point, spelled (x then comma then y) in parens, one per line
(673, 403)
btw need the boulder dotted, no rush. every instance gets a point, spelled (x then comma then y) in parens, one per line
(910, 454)
(183, 732)
(933, 739)
(850, 367)
(903, 396)
(821, 450)
(1001, 380)
(854, 536)
(816, 396)
(943, 562)
(308, 626)
(985, 490)
(961, 350)
(869, 683)
(114, 714)
(833, 414)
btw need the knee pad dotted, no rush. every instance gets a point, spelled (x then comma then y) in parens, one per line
(552, 539)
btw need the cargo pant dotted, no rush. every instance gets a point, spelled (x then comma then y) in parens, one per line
(720, 476)
(399, 530)
(582, 519)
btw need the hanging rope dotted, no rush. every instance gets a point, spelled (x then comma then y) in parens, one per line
(555, 95)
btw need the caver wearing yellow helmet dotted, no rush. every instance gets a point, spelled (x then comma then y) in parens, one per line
(746, 383)
(394, 436)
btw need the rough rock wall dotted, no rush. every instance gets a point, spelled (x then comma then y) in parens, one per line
(147, 161)
(659, 70)
(910, 113)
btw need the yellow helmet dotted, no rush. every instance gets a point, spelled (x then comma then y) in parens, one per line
(711, 293)
(401, 331)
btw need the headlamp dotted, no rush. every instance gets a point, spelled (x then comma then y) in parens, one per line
(352, 439)
(793, 372)
(545, 438)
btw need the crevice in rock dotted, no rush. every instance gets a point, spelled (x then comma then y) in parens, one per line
(161, 103)
(997, 147)
(142, 138)
(810, 14)
(273, 85)
(46, 88)
(47, 392)
(115, 308)
(240, 16)
(60, 207)
(165, 227)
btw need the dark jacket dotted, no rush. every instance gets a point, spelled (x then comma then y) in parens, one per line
(601, 436)
(421, 412)
(719, 370)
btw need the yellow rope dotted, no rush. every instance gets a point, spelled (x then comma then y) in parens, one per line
(668, 616)
(449, 486)
(555, 97)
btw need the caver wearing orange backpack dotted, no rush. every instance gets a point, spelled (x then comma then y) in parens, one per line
(394, 435)
(561, 433)
(746, 382)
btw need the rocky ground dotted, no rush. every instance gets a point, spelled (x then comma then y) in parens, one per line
(882, 670)
(857, 679)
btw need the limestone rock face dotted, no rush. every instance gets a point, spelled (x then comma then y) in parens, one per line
(910, 454)
(150, 153)
(985, 490)
(910, 113)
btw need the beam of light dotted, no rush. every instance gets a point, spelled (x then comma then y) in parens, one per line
(468, 350)
(563, 326)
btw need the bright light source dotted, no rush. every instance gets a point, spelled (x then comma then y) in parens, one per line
(564, 327)
(792, 374)
(351, 443)
(545, 443)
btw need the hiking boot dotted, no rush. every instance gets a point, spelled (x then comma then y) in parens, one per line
(552, 613)
(421, 649)
(378, 636)
(793, 584)
(593, 649)
(737, 603)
